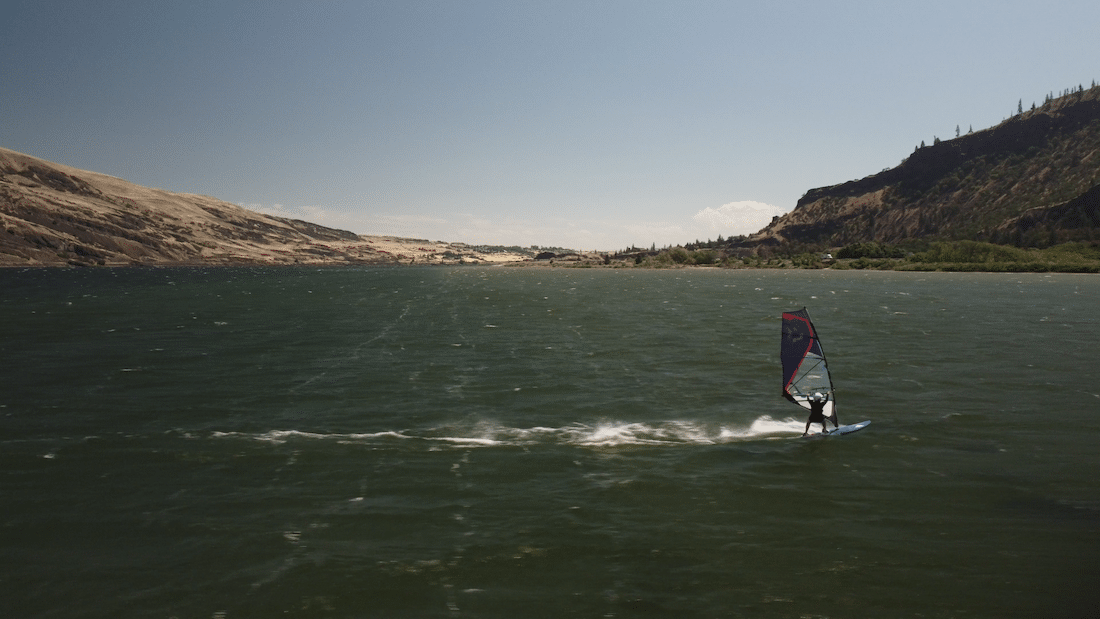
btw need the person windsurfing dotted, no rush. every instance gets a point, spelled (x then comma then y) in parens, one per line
(817, 414)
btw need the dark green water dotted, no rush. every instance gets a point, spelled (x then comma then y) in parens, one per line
(466, 442)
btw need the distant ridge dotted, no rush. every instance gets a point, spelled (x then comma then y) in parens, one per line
(1031, 181)
(52, 214)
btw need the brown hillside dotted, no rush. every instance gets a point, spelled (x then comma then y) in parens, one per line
(1024, 181)
(52, 214)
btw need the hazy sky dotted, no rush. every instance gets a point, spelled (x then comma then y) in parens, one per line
(590, 125)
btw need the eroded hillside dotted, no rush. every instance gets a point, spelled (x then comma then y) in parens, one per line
(1031, 180)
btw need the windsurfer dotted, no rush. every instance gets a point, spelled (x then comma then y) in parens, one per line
(817, 414)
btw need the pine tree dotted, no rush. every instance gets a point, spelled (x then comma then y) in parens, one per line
(956, 131)
(1020, 107)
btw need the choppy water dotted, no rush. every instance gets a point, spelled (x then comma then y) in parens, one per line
(468, 442)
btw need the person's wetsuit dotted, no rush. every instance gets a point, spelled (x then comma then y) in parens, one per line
(817, 415)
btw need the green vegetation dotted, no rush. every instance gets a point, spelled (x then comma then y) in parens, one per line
(678, 256)
(884, 264)
(975, 256)
(870, 250)
(978, 256)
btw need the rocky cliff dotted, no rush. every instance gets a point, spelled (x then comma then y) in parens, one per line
(1030, 181)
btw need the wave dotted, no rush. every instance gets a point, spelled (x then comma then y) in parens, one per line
(600, 434)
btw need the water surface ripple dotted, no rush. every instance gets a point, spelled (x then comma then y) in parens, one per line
(496, 442)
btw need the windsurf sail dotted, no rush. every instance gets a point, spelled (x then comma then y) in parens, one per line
(805, 373)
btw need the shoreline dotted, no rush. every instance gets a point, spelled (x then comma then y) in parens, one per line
(363, 250)
(1001, 268)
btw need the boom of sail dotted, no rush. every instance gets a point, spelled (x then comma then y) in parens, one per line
(805, 373)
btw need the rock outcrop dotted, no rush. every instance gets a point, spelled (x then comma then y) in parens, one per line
(1026, 181)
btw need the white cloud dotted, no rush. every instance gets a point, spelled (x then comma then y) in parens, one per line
(736, 218)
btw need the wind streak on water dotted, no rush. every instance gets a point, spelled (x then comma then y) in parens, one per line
(497, 443)
(601, 434)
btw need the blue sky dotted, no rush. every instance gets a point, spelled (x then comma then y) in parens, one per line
(590, 125)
